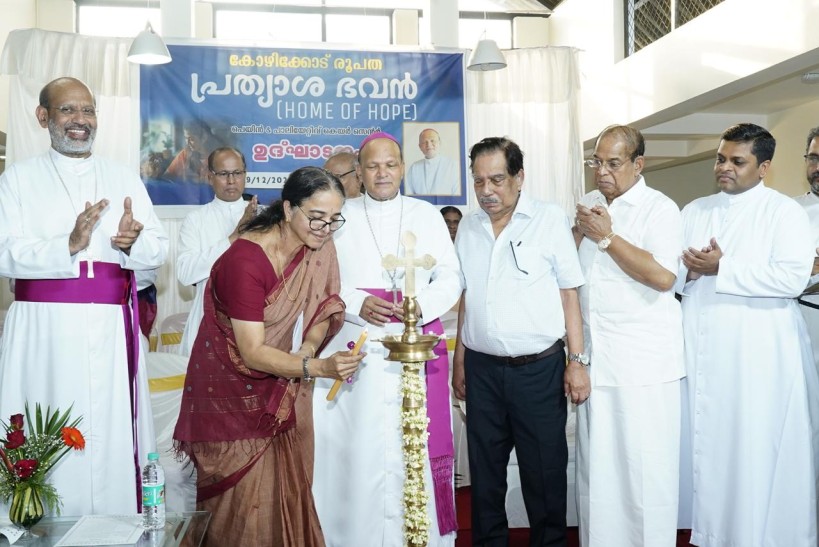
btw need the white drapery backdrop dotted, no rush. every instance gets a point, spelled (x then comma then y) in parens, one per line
(534, 101)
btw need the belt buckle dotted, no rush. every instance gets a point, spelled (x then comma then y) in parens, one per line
(518, 361)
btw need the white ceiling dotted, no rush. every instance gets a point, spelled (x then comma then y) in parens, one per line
(689, 131)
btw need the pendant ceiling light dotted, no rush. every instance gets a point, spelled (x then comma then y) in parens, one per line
(486, 56)
(148, 48)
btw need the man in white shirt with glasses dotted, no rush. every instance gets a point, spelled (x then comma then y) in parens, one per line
(628, 433)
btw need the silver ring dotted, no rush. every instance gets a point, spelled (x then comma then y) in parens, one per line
(88, 219)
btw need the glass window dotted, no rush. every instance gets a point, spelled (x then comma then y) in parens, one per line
(649, 20)
(358, 29)
(116, 20)
(472, 30)
(268, 25)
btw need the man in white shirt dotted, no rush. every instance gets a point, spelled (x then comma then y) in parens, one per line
(810, 202)
(207, 232)
(359, 468)
(435, 175)
(521, 275)
(343, 165)
(752, 385)
(74, 227)
(628, 432)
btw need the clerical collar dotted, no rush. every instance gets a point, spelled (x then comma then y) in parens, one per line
(392, 202)
(68, 160)
(748, 195)
(229, 204)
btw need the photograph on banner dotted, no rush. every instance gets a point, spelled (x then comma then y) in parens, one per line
(285, 108)
(434, 165)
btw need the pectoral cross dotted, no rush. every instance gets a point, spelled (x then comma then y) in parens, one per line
(409, 263)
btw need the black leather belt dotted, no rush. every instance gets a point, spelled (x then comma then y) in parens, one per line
(521, 360)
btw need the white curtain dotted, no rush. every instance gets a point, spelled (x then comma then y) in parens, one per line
(534, 102)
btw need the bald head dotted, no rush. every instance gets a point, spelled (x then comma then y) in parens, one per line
(429, 141)
(54, 86)
(343, 166)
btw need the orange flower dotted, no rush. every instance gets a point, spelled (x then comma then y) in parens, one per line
(73, 438)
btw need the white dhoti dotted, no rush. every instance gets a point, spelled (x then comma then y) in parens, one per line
(628, 465)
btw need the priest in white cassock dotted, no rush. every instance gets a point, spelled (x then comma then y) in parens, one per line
(73, 229)
(752, 385)
(810, 202)
(435, 175)
(359, 467)
(207, 232)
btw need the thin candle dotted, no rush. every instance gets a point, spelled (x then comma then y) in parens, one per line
(356, 348)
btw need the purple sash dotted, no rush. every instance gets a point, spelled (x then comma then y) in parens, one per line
(441, 448)
(110, 285)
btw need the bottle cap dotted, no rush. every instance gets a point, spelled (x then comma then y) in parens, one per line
(153, 456)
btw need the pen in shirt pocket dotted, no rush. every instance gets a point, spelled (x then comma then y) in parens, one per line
(515, 256)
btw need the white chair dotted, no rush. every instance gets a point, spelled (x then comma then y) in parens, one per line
(170, 333)
(166, 378)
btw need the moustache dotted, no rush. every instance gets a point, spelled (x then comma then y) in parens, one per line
(814, 176)
(488, 200)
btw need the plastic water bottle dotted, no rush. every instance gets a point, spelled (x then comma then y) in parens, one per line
(153, 494)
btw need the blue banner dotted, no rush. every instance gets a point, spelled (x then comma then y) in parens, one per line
(288, 108)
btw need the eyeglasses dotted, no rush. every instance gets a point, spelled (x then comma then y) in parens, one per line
(342, 175)
(71, 111)
(317, 224)
(227, 174)
(609, 165)
(812, 159)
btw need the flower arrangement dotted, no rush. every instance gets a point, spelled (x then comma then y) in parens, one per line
(26, 461)
(414, 422)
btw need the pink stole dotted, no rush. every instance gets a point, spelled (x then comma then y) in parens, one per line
(110, 285)
(441, 448)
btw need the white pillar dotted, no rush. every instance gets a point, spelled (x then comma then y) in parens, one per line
(443, 21)
(405, 27)
(177, 18)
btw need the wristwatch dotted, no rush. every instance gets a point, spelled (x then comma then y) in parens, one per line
(581, 358)
(604, 243)
(307, 377)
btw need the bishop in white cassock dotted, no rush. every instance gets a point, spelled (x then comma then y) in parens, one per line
(57, 211)
(752, 386)
(207, 232)
(359, 467)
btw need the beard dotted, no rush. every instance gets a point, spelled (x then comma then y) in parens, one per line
(67, 146)
(813, 180)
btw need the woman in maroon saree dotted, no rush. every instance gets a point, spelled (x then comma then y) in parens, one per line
(246, 415)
